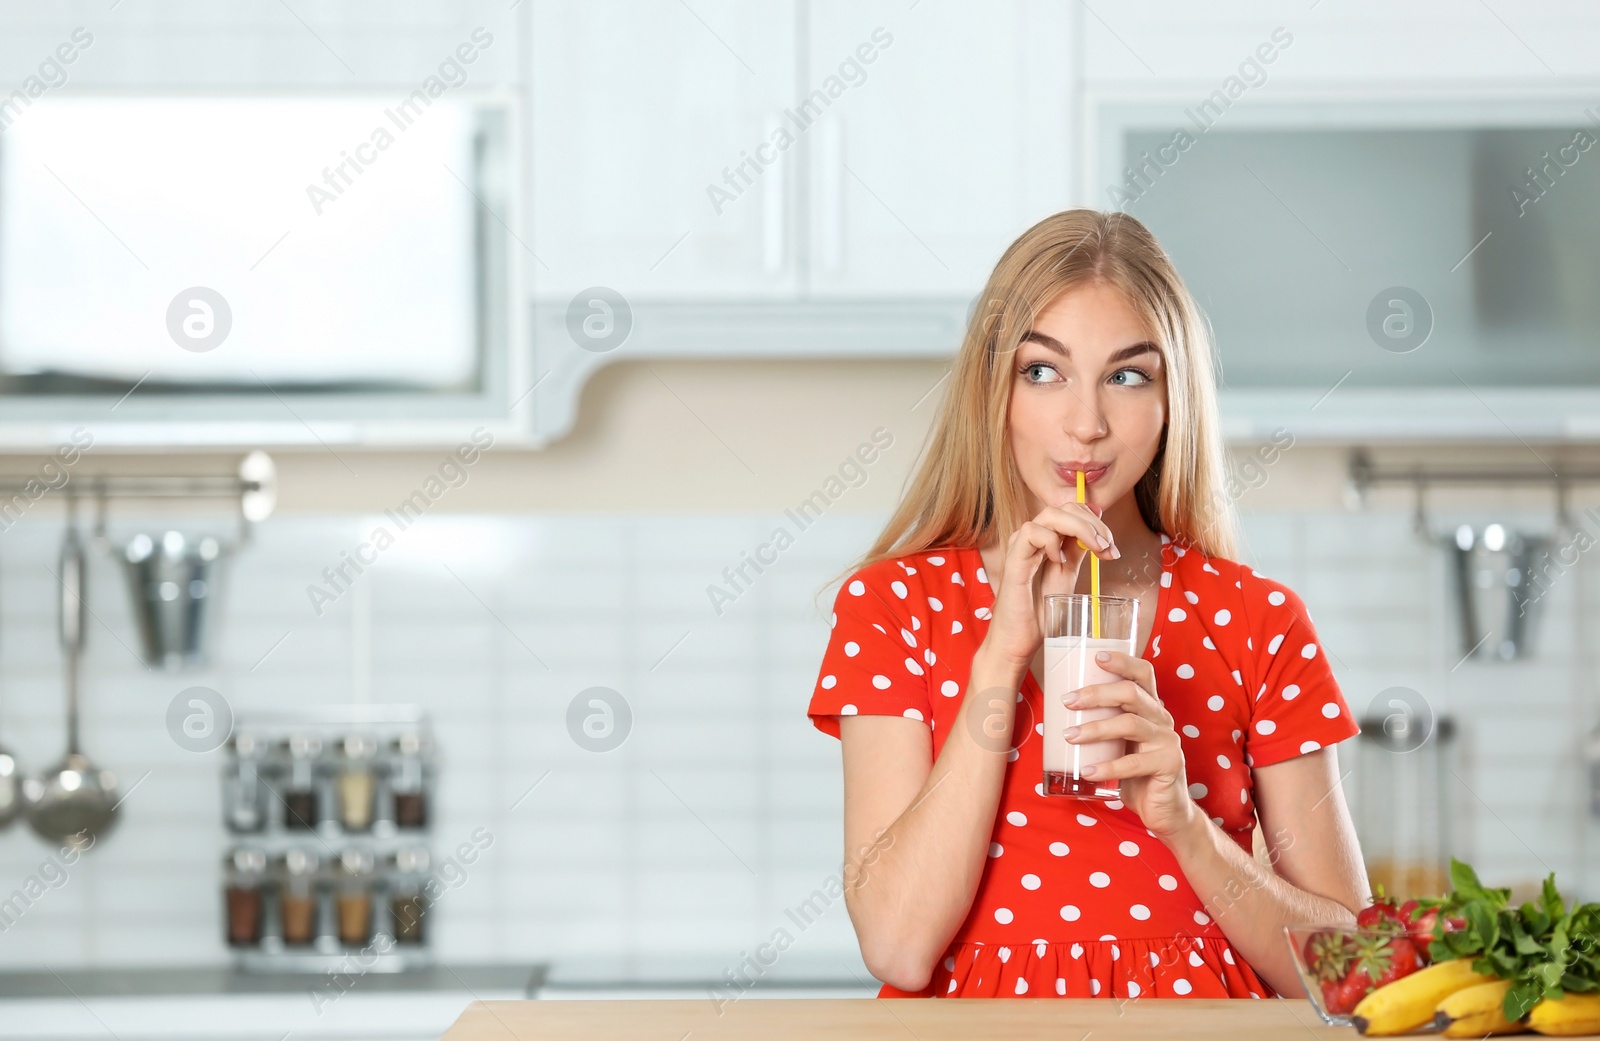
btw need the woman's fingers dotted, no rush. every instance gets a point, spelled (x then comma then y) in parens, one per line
(1124, 694)
(1075, 520)
(1123, 724)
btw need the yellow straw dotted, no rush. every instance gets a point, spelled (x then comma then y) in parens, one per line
(1094, 575)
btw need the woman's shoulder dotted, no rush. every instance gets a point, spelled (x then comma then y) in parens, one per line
(1260, 594)
(928, 570)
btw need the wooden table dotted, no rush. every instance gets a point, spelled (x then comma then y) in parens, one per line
(901, 1019)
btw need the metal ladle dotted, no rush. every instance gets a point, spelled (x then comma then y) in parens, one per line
(74, 800)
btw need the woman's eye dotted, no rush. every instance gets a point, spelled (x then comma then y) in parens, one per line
(1130, 377)
(1031, 371)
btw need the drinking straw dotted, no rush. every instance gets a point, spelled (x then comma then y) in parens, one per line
(1094, 575)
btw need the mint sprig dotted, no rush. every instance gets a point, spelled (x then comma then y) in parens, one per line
(1545, 949)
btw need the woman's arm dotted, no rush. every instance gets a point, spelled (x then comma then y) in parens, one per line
(1310, 841)
(917, 832)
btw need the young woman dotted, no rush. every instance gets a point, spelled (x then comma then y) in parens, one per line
(963, 878)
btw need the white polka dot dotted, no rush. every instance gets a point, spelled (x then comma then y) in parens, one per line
(1086, 820)
(881, 682)
(1094, 987)
(1238, 678)
(912, 667)
(1190, 730)
(1099, 880)
(1274, 643)
(1308, 651)
(1139, 911)
(1310, 746)
(1017, 817)
(1291, 692)
(1022, 985)
(1224, 762)
(848, 710)
(1113, 804)
(1129, 849)
(1181, 986)
(1166, 578)
(1195, 959)
(1185, 671)
(1030, 881)
(995, 849)
(1265, 727)
(1275, 598)
(955, 627)
(1177, 614)
(1061, 987)
(1071, 914)
(1167, 882)
(852, 649)
(1221, 617)
(1206, 642)
(1236, 734)
(982, 612)
(1191, 596)
(1201, 918)
(1227, 955)
(1215, 703)
(1003, 915)
(935, 603)
(1198, 790)
(916, 623)
(950, 688)
(950, 965)
(1330, 710)
(915, 714)
(928, 657)
(936, 560)
(983, 576)
(911, 641)
(899, 588)
(857, 588)
(952, 988)
(829, 682)
(1059, 849)
(1133, 989)
(1244, 796)
(833, 619)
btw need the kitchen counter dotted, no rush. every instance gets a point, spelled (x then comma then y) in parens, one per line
(219, 1002)
(941, 1019)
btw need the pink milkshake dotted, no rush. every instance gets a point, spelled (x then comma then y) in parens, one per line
(1069, 663)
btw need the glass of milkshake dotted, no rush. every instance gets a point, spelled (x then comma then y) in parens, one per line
(1073, 635)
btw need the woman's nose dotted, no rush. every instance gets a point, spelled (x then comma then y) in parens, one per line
(1084, 419)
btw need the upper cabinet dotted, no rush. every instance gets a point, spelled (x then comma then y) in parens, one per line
(810, 178)
(951, 139)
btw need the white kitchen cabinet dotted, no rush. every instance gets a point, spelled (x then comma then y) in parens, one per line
(643, 113)
(953, 141)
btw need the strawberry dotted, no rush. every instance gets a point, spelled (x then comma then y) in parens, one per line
(1328, 954)
(1403, 960)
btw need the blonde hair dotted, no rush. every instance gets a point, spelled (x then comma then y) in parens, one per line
(966, 487)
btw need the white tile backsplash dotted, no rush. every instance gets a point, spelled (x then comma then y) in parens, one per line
(668, 856)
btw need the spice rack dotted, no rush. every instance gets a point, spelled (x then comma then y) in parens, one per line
(328, 813)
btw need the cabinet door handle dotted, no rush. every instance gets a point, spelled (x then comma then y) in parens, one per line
(774, 207)
(830, 184)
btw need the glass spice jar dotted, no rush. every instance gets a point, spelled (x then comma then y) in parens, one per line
(354, 899)
(300, 795)
(242, 785)
(406, 780)
(407, 905)
(244, 888)
(297, 897)
(357, 781)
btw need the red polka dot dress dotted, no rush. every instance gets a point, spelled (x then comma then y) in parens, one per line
(1077, 898)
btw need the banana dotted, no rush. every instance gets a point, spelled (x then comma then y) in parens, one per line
(1411, 1001)
(1477, 1011)
(1572, 1016)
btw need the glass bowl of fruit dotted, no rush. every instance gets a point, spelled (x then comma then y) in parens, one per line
(1339, 964)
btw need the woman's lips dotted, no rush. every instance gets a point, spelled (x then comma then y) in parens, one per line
(1069, 473)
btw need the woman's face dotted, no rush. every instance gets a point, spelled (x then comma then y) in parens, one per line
(1090, 391)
